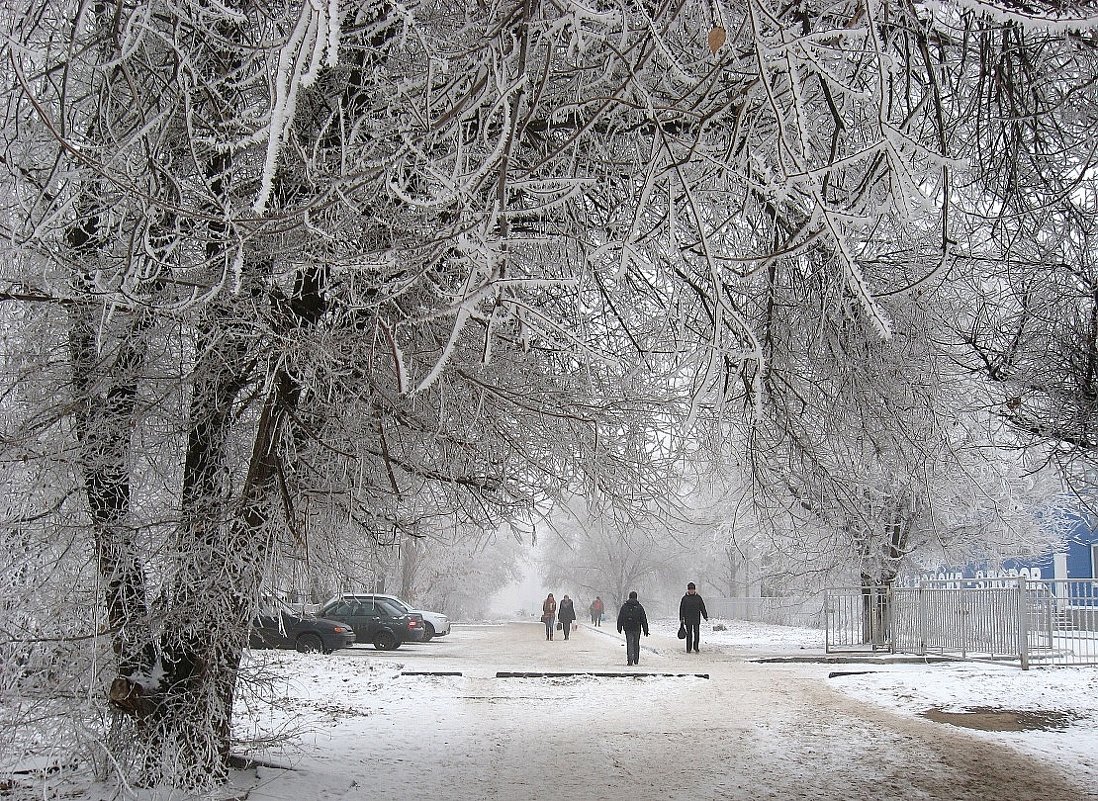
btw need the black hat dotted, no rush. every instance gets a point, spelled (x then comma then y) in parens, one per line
(633, 595)
(690, 586)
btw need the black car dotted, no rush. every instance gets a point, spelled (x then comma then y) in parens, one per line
(376, 620)
(278, 626)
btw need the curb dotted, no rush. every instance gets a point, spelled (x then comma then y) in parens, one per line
(602, 674)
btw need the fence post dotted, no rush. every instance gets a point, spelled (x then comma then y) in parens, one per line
(891, 618)
(1023, 624)
(921, 616)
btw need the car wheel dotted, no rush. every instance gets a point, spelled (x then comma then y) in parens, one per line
(309, 644)
(428, 631)
(386, 641)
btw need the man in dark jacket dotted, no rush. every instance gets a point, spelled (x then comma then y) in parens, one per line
(691, 611)
(632, 620)
(566, 613)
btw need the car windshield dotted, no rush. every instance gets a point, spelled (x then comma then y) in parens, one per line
(389, 607)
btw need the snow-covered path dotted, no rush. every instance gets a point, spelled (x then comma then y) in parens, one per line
(750, 731)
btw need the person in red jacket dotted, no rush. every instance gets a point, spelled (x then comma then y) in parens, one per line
(597, 609)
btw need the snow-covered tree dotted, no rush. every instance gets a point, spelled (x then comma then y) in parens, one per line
(457, 572)
(325, 253)
(879, 454)
(591, 551)
(1025, 306)
(307, 269)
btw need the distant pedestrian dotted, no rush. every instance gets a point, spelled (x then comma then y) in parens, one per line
(632, 620)
(566, 613)
(691, 611)
(597, 609)
(549, 614)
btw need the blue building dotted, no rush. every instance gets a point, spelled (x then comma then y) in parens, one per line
(1081, 556)
(1067, 575)
(1075, 558)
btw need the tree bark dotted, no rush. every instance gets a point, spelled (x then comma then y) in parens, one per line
(104, 420)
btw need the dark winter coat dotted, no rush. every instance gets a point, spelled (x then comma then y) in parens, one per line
(631, 616)
(692, 609)
(566, 612)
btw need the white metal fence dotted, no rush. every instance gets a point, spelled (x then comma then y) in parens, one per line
(1016, 619)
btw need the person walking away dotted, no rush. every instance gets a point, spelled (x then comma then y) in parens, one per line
(691, 611)
(549, 614)
(566, 613)
(597, 609)
(632, 620)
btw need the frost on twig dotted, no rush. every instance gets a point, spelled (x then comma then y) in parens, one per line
(313, 42)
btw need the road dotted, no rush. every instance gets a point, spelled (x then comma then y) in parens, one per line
(750, 731)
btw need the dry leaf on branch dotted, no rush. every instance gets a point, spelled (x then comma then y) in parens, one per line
(716, 38)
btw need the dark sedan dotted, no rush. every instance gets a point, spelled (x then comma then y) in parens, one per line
(281, 627)
(376, 621)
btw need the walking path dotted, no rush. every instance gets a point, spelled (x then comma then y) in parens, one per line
(749, 732)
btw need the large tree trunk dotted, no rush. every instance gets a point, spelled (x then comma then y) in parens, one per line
(222, 547)
(104, 397)
(103, 369)
(107, 352)
(224, 543)
(210, 595)
(876, 611)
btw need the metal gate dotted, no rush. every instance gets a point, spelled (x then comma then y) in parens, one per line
(856, 619)
(988, 619)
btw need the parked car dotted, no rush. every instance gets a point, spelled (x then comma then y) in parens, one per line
(376, 620)
(278, 626)
(435, 624)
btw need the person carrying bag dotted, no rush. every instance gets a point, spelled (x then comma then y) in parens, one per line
(566, 613)
(691, 611)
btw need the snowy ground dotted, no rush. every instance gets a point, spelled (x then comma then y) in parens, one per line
(362, 724)
(1067, 695)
